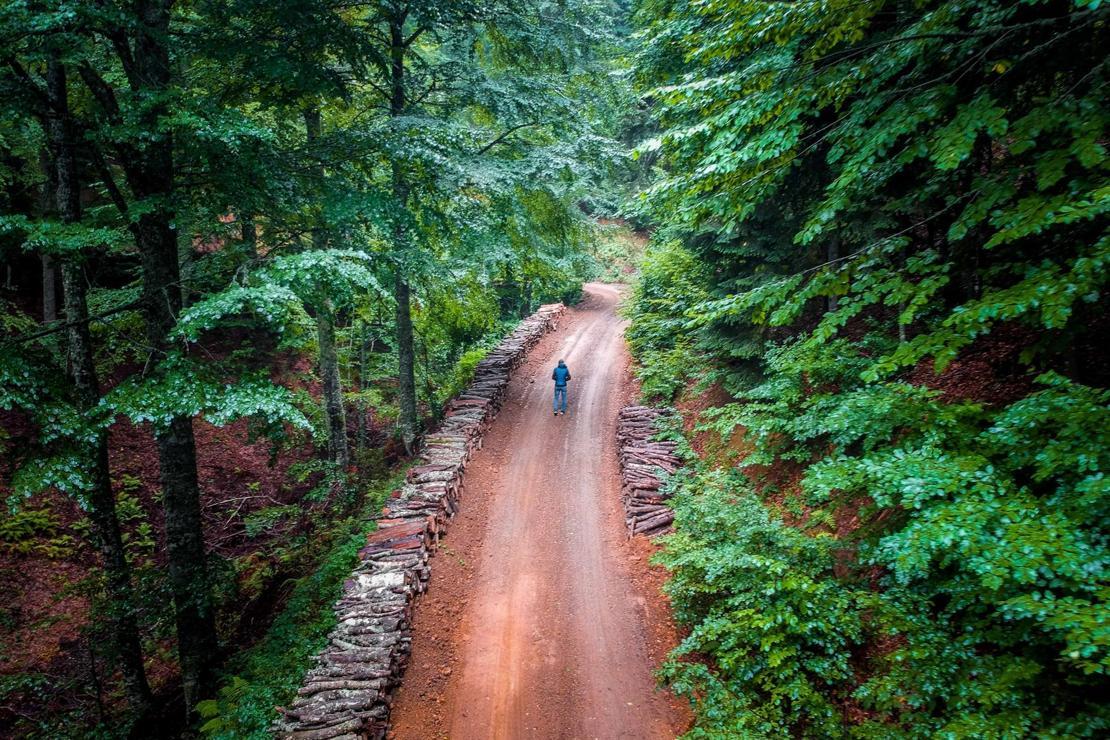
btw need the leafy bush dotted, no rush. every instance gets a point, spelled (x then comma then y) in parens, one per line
(760, 600)
(667, 287)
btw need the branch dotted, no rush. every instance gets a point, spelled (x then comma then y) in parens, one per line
(877, 242)
(100, 90)
(114, 192)
(127, 60)
(505, 135)
(33, 87)
(855, 50)
(378, 88)
(414, 36)
(67, 324)
(119, 42)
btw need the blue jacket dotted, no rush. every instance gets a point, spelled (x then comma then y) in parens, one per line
(561, 375)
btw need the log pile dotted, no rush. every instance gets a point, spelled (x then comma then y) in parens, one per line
(645, 464)
(347, 694)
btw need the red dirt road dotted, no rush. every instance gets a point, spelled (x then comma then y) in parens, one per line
(541, 619)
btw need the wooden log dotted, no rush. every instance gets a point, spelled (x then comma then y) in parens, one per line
(334, 732)
(315, 687)
(348, 693)
(640, 510)
(662, 519)
(645, 465)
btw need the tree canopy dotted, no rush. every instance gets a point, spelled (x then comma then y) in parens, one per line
(192, 194)
(250, 248)
(881, 228)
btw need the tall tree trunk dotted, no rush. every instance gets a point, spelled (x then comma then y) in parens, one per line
(406, 355)
(338, 451)
(902, 331)
(82, 371)
(48, 204)
(188, 567)
(363, 432)
(406, 381)
(102, 502)
(249, 244)
(151, 175)
(49, 293)
(177, 458)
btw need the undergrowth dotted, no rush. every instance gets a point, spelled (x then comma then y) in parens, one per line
(268, 674)
(935, 568)
(617, 251)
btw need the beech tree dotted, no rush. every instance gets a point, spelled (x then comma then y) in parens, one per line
(455, 110)
(231, 183)
(882, 229)
(82, 369)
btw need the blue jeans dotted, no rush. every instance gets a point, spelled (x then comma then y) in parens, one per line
(560, 395)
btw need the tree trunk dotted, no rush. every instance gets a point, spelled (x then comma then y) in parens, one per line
(49, 293)
(406, 380)
(177, 458)
(249, 238)
(151, 175)
(188, 566)
(832, 253)
(102, 503)
(185, 258)
(333, 391)
(363, 432)
(338, 451)
(905, 252)
(82, 371)
(405, 362)
(48, 204)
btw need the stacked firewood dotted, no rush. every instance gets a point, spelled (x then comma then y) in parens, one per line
(347, 695)
(644, 466)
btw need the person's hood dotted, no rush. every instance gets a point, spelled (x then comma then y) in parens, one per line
(562, 364)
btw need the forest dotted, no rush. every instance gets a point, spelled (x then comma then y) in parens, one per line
(880, 263)
(250, 250)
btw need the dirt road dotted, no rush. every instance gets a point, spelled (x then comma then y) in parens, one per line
(541, 620)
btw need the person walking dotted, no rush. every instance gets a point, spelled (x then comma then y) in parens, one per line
(561, 374)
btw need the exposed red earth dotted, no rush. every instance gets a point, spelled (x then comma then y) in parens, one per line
(542, 620)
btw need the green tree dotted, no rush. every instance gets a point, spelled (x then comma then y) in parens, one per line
(230, 182)
(872, 190)
(65, 233)
(467, 131)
